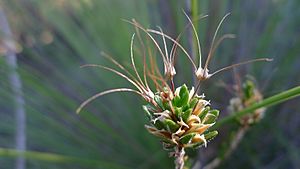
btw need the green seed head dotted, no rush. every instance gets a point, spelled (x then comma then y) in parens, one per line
(250, 95)
(181, 119)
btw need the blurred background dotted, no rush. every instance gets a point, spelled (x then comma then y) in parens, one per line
(51, 39)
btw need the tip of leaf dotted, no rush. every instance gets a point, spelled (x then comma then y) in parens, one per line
(269, 59)
(231, 36)
(124, 20)
(78, 111)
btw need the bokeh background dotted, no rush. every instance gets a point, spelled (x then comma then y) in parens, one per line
(51, 39)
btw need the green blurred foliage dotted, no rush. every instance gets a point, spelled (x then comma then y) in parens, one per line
(55, 37)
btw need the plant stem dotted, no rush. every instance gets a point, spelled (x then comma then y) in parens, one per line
(179, 157)
(192, 9)
(194, 13)
(276, 99)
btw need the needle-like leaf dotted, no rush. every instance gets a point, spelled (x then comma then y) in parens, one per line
(242, 63)
(104, 93)
(213, 42)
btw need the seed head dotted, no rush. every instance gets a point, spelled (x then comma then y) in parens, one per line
(182, 121)
(248, 96)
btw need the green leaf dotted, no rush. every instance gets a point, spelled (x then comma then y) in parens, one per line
(158, 100)
(184, 95)
(214, 112)
(148, 114)
(166, 105)
(176, 101)
(204, 113)
(187, 138)
(196, 145)
(193, 102)
(186, 115)
(185, 107)
(159, 125)
(178, 112)
(170, 125)
(211, 135)
(211, 116)
(248, 88)
(183, 90)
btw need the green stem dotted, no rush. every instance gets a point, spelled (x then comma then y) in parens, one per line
(56, 158)
(194, 15)
(194, 8)
(276, 99)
